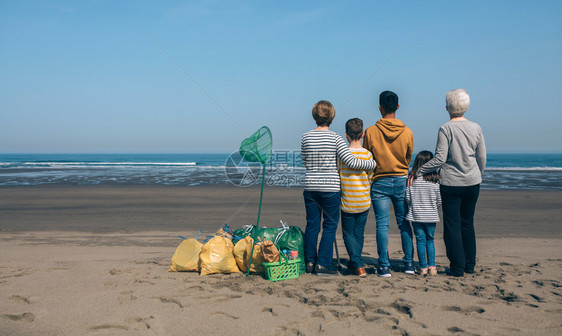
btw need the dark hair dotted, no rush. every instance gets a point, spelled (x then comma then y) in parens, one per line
(388, 101)
(419, 161)
(323, 113)
(354, 128)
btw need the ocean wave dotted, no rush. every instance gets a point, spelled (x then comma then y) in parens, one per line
(93, 164)
(523, 168)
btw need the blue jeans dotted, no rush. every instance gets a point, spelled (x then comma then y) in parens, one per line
(424, 242)
(320, 204)
(353, 227)
(383, 191)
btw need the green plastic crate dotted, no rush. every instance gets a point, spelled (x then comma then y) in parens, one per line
(282, 270)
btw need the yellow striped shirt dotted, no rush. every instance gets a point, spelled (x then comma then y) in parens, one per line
(356, 184)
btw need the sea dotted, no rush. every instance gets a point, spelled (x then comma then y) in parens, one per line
(284, 169)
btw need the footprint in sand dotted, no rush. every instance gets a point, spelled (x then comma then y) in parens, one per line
(224, 298)
(133, 320)
(126, 296)
(17, 273)
(542, 283)
(111, 284)
(19, 298)
(219, 298)
(467, 310)
(108, 326)
(402, 308)
(285, 330)
(115, 271)
(455, 330)
(537, 298)
(164, 299)
(144, 281)
(537, 264)
(269, 310)
(25, 317)
(508, 297)
(196, 287)
(225, 314)
(382, 312)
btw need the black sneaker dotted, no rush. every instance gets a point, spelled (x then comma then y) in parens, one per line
(409, 268)
(324, 271)
(310, 267)
(383, 272)
(450, 273)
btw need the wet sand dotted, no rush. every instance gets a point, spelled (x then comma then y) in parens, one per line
(94, 260)
(102, 209)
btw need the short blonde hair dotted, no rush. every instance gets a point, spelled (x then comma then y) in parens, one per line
(323, 113)
(457, 102)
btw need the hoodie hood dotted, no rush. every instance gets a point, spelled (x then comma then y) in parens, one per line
(391, 128)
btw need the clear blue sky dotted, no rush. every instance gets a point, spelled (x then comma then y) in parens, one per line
(86, 76)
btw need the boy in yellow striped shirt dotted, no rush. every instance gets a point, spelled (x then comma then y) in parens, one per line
(355, 198)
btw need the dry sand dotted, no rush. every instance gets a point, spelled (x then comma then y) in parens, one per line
(94, 260)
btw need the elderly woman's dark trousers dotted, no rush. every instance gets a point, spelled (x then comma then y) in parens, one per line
(458, 207)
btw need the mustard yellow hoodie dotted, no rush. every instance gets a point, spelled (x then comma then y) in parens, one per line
(392, 144)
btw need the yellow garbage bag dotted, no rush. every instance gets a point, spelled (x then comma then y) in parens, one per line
(217, 257)
(242, 251)
(186, 258)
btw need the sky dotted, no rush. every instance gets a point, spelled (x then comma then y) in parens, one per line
(200, 76)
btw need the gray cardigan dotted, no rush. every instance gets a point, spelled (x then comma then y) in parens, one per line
(460, 153)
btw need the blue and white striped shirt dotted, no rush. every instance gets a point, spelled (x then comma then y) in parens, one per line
(320, 150)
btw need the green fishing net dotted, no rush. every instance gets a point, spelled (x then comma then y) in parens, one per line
(257, 148)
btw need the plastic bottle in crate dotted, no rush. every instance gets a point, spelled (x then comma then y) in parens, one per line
(294, 255)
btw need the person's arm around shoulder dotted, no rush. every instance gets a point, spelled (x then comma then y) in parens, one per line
(441, 153)
(339, 163)
(370, 172)
(349, 159)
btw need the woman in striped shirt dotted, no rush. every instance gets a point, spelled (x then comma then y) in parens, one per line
(424, 200)
(320, 150)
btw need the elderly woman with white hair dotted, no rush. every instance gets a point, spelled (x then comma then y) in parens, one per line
(460, 155)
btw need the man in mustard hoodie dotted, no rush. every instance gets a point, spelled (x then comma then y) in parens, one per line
(391, 143)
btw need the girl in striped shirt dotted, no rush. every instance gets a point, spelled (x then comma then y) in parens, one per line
(424, 199)
(320, 149)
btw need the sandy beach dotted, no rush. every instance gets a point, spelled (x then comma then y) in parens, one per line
(94, 260)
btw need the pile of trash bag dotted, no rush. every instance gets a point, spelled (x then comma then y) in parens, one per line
(230, 251)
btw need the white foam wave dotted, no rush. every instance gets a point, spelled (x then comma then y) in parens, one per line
(94, 164)
(276, 168)
(524, 168)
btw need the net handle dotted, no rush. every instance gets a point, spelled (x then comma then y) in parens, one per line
(258, 223)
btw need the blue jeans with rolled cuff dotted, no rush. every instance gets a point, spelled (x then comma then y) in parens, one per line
(424, 243)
